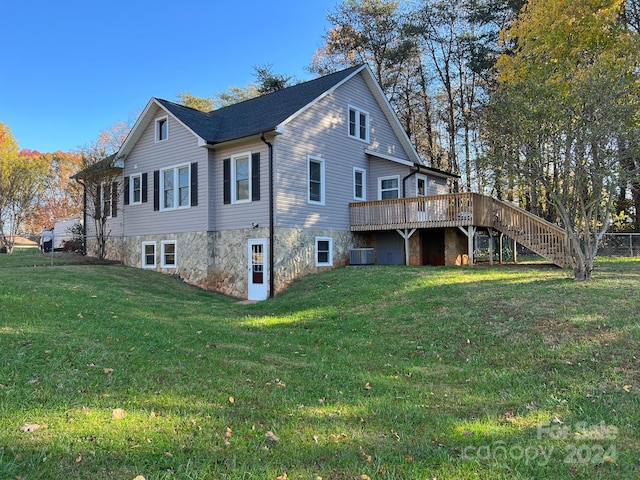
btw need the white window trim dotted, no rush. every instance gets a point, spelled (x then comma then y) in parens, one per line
(363, 198)
(330, 262)
(311, 158)
(358, 112)
(163, 244)
(176, 187)
(426, 185)
(106, 186)
(131, 177)
(390, 177)
(144, 256)
(157, 129)
(234, 192)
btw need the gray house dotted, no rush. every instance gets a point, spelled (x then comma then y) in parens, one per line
(245, 199)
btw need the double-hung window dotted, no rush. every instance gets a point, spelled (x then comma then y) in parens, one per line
(324, 251)
(162, 129)
(241, 178)
(168, 254)
(135, 189)
(359, 184)
(315, 177)
(175, 187)
(358, 124)
(148, 254)
(106, 200)
(388, 187)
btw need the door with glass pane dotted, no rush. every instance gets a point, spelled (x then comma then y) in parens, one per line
(257, 269)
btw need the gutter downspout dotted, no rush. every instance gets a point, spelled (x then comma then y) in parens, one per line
(404, 195)
(417, 169)
(272, 280)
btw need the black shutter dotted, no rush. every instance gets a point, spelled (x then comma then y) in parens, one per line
(156, 190)
(226, 172)
(143, 187)
(255, 176)
(98, 204)
(114, 199)
(194, 184)
(126, 190)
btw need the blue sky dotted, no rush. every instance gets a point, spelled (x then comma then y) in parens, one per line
(72, 68)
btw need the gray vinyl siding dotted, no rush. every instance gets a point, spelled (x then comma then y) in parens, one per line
(241, 215)
(384, 168)
(435, 185)
(322, 132)
(147, 156)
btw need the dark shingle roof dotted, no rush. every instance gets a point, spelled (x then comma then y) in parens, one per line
(98, 169)
(256, 115)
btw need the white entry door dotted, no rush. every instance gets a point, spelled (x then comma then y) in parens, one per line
(257, 269)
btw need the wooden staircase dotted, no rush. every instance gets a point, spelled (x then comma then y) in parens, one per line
(535, 233)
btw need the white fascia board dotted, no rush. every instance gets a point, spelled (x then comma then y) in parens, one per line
(149, 112)
(319, 97)
(391, 158)
(392, 118)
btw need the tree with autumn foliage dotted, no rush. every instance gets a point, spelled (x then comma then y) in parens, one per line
(22, 180)
(565, 112)
(61, 197)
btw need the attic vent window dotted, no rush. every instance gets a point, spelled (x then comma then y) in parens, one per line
(358, 124)
(162, 129)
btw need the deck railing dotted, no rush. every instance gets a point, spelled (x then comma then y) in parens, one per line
(451, 210)
(461, 210)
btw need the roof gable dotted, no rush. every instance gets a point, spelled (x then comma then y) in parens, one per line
(265, 113)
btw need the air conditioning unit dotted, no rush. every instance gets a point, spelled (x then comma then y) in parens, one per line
(361, 256)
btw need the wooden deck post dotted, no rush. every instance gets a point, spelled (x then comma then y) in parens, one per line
(471, 234)
(490, 246)
(406, 234)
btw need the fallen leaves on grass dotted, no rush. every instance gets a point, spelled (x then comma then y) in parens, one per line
(367, 386)
(627, 388)
(118, 413)
(30, 427)
(366, 456)
(271, 436)
(336, 438)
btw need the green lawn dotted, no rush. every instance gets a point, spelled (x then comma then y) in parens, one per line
(370, 372)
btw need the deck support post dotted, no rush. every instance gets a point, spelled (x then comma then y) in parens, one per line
(515, 251)
(471, 234)
(406, 234)
(500, 239)
(490, 230)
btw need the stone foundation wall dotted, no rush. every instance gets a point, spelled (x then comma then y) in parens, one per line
(455, 248)
(294, 256)
(295, 252)
(228, 268)
(113, 248)
(217, 261)
(192, 254)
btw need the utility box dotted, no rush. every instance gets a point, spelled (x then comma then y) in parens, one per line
(361, 256)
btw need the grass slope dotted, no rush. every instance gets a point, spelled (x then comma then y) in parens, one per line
(374, 372)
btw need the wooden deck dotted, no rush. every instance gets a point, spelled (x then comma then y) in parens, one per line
(467, 211)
